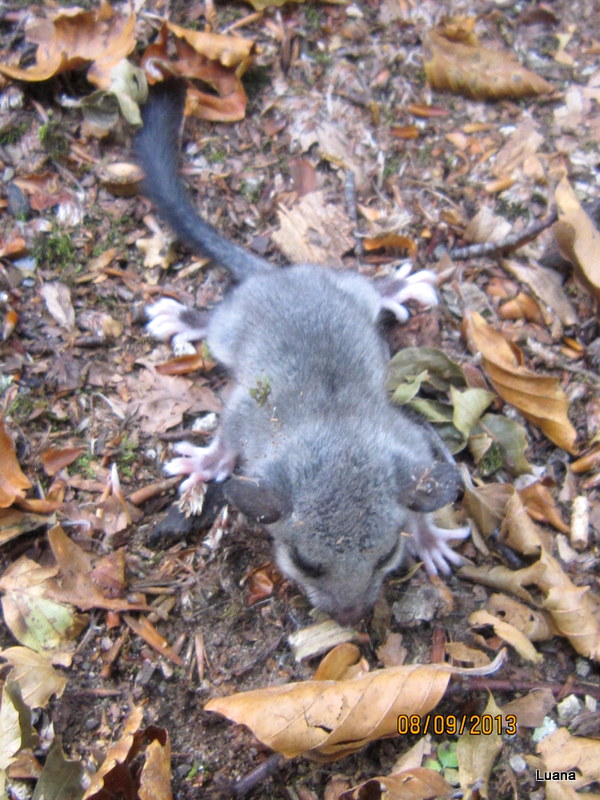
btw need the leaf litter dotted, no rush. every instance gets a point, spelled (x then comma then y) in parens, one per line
(90, 406)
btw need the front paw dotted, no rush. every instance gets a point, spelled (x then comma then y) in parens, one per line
(165, 319)
(430, 543)
(172, 320)
(403, 286)
(201, 464)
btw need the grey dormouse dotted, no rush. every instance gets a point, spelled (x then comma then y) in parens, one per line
(343, 481)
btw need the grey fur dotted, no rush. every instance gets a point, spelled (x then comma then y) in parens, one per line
(320, 455)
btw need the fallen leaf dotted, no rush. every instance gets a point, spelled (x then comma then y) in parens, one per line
(486, 226)
(468, 407)
(531, 709)
(73, 38)
(314, 231)
(182, 365)
(260, 5)
(74, 582)
(539, 398)
(35, 619)
(392, 242)
(508, 633)
(14, 522)
(578, 238)
(61, 777)
(16, 731)
(509, 437)
(563, 752)
(332, 719)
(541, 506)
(57, 297)
(455, 61)
(477, 754)
(521, 307)
(535, 624)
(215, 59)
(37, 678)
(12, 480)
(136, 765)
(54, 458)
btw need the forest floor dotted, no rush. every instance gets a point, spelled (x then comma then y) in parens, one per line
(182, 611)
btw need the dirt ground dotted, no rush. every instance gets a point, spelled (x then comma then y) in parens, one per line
(332, 88)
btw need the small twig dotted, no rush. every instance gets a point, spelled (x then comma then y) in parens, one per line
(350, 200)
(512, 242)
(252, 779)
(554, 360)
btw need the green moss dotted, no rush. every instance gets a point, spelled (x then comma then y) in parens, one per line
(53, 140)
(54, 249)
(13, 133)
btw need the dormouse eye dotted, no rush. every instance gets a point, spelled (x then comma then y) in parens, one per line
(309, 569)
(389, 557)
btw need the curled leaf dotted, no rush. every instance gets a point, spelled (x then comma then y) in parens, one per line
(12, 480)
(539, 398)
(455, 61)
(334, 718)
(578, 238)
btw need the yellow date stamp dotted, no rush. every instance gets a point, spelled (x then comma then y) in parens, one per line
(451, 725)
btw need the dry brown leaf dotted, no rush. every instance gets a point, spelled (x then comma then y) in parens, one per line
(486, 226)
(578, 238)
(182, 365)
(162, 400)
(518, 530)
(487, 504)
(338, 663)
(522, 143)
(57, 297)
(573, 609)
(455, 61)
(421, 110)
(74, 38)
(140, 758)
(521, 307)
(561, 752)
(508, 633)
(476, 754)
(536, 625)
(331, 719)
(546, 284)
(393, 242)
(314, 231)
(530, 709)
(54, 459)
(541, 506)
(34, 618)
(37, 678)
(14, 522)
(417, 783)
(75, 583)
(213, 58)
(12, 480)
(539, 398)
(459, 651)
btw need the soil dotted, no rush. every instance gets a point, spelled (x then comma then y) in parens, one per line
(354, 70)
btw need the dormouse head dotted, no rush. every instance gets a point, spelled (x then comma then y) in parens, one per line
(337, 511)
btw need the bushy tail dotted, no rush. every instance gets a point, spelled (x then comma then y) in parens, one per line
(156, 149)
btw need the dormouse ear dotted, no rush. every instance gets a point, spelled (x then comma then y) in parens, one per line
(436, 486)
(256, 500)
